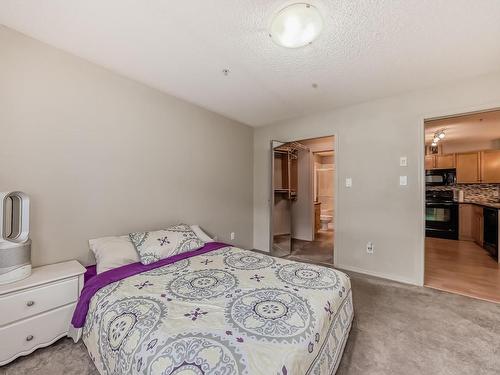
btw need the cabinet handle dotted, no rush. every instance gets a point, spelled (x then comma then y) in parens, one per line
(29, 338)
(30, 303)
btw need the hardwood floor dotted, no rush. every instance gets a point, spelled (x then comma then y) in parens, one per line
(461, 267)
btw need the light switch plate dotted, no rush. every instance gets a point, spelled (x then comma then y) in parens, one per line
(403, 180)
(348, 182)
(403, 161)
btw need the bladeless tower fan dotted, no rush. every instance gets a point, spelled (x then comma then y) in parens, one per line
(15, 245)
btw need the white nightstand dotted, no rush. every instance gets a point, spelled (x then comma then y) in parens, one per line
(37, 311)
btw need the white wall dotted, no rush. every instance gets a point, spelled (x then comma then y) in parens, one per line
(371, 138)
(100, 154)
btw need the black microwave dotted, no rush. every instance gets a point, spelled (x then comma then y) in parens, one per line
(440, 177)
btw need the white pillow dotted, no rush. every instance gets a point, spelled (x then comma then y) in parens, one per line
(201, 234)
(161, 244)
(113, 252)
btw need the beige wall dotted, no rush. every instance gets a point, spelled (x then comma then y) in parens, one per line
(452, 147)
(100, 154)
(371, 138)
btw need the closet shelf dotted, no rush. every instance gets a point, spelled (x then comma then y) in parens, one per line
(285, 191)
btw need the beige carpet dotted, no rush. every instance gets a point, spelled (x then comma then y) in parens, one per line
(398, 329)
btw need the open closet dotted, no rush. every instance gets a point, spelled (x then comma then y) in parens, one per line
(284, 192)
(302, 199)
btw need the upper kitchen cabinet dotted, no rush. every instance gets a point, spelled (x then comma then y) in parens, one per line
(429, 161)
(445, 161)
(440, 161)
(467, 165)
(490, 166)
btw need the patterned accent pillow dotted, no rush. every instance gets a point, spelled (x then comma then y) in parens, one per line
(161, 244)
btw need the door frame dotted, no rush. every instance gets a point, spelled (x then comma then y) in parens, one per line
(312, 177)
(438, 115)
(336, 181)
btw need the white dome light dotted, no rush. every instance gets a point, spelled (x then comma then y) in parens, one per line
(296, 25)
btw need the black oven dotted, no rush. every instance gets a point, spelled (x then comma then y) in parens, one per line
(440, 177)
(441, 215)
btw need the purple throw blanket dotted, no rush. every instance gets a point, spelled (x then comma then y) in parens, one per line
(97, 282)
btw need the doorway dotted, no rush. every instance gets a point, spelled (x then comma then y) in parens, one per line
(462, 202)
(303, 199)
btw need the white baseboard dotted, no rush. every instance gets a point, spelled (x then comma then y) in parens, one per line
(397, 278)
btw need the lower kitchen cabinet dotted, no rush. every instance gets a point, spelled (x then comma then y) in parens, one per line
(465, 215)
(477, 224)
(470, 223)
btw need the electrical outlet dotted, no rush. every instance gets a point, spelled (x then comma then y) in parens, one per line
(369, 248)
(233, 235)
(403, 161)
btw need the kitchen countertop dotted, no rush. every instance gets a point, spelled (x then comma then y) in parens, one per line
(482, 203)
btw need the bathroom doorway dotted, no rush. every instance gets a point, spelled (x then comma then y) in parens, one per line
(303, 199)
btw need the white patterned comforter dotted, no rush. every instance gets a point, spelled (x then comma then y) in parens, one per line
(230, 311)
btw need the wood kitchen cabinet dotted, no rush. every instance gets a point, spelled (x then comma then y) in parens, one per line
(477, 224)
(429, 161)
(465, 219)
(446, 161)
(470, 223)
(467, 165)
(472, 167)
(490, 166)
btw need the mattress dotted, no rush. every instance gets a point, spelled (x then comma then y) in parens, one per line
(227, 311)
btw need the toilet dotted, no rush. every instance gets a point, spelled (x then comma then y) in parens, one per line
(325, 220)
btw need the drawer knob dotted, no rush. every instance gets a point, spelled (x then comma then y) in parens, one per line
(29, 338)
(30, 303)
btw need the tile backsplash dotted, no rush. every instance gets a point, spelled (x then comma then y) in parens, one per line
(475, 192)
(482, 192)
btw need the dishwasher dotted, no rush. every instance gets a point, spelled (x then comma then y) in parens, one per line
(490, 231)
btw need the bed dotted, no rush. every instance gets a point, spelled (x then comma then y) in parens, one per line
(217, 310)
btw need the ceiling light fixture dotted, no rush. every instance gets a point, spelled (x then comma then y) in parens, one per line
(296, 25)
(438, 136)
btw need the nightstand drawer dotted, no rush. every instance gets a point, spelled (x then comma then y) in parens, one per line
(27, 303)
(23, 337)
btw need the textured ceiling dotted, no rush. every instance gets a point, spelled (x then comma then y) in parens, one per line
(478, 127)
(368, 49)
